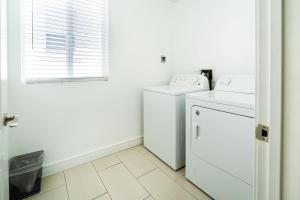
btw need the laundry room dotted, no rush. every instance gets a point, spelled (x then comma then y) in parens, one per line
(135, 100)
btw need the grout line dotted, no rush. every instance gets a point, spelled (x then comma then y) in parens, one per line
(129, 170)
(118, 155)
(66, 185)
(113, 154)
(187, 191)
(137, 181)
(101, 196)
(150, 195)
(112, 166)
(101, 182)
(136, 177)
(208, 197)
(155, 157)
(147, 172)
(174, 182)
(140, 152)
(109, 155)
(107, 167)
(144, 151)
(120, 162)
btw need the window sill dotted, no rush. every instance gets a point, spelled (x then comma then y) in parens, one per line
(64, 80)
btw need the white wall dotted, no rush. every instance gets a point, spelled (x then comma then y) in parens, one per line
(76, 118)
(214, 34)
(291, 100)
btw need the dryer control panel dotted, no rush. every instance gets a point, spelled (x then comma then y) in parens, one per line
(195, 80)
(236, 83)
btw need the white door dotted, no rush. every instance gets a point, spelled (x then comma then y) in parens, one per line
(268, 98)
(3, 132)
(4, 191)
(3, 159)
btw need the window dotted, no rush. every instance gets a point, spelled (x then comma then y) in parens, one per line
(64, 40)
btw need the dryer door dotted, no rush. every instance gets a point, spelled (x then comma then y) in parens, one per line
(225, 141)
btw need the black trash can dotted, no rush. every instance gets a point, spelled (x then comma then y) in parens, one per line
(25, 175)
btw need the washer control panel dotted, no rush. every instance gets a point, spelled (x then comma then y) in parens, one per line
(196, 80)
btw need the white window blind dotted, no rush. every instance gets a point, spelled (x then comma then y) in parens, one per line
(64, 40)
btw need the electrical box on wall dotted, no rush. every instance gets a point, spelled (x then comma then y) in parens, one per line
(163, 59)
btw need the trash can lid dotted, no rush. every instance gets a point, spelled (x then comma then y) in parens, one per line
(26, 163)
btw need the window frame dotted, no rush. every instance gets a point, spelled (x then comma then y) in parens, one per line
(59, 80)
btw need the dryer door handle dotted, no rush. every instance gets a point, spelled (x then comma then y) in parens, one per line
(196, 131)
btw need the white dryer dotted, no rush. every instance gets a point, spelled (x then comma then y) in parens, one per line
(220, 135)
(164, 117)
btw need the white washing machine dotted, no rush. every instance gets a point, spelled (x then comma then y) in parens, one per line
(164, 117)
(220, 135)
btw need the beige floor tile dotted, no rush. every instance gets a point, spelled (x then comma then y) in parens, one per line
(174, 175)
(103, 197)
(121, 185)
(56, 194)
(141, 149)
(136, 163)
(192, 189)
(105, 162)
(53, 181)
(149, 198)
(83, 183)
(161, 187)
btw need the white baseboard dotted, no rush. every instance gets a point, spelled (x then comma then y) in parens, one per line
(87, 157)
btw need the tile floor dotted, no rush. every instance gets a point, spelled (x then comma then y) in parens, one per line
(132, 174)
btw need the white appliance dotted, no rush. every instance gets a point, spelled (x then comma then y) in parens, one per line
(164, 117)
(220, 135)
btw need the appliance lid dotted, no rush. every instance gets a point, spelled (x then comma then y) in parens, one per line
(242, 100)
(236, 83)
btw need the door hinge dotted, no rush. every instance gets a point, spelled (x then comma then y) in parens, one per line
(262, 133)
